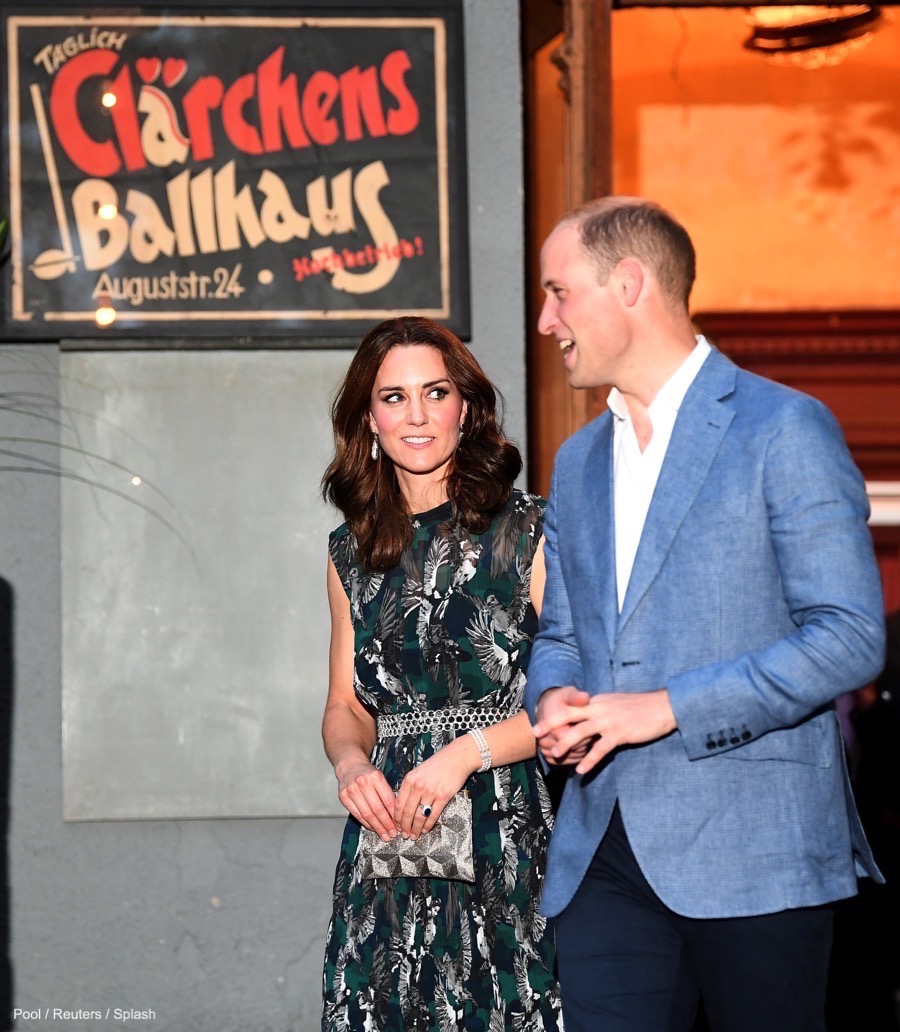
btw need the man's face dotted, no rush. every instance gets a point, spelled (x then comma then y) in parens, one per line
(580, 312)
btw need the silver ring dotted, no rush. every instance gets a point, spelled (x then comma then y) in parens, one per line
(426, 810)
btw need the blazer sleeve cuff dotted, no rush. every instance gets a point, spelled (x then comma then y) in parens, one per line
(545, 675)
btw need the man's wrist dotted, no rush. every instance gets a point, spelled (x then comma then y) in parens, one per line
(542, 698)
(667, 714)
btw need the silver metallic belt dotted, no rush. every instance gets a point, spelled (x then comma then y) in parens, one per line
(451, 718)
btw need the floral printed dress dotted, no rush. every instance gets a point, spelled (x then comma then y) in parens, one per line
(451, 625)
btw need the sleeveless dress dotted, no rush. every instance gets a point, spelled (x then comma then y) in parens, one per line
(451, 625)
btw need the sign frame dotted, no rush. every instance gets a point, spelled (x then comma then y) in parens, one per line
(239, 229)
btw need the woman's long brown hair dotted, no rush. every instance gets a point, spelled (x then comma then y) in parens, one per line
(482, 470)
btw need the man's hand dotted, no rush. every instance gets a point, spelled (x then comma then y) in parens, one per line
(586, 732)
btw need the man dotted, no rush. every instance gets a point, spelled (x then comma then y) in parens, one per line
(711, 588)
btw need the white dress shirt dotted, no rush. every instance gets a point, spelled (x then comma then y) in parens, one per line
(635, 472)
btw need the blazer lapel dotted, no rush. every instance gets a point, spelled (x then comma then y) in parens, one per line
(601, 518)
(701, 424)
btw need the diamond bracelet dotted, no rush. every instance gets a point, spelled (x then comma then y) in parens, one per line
(483, 748)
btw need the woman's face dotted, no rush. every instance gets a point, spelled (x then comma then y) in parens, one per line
(416, 410)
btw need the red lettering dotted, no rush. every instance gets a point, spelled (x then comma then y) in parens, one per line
(279, 106)
(205, 95)
(360, 95)
(94, 157)
(281, 116)
(405, 116)
(319, 96)
(125, 119)
(243, 135)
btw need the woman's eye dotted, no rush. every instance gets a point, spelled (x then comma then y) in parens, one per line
(438, 393)
(392, 399)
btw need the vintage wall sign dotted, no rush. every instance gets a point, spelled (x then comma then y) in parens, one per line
(238, 176)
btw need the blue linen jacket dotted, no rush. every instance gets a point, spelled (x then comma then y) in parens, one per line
(756, 600)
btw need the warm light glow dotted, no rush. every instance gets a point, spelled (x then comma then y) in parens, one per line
(821, 57)
(811, 37)
(784, 17)
(107, 211)
(105, 315)
(108, 99)
(796, 205)
(136, 480)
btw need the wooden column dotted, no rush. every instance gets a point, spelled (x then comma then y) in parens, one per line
(568, 133)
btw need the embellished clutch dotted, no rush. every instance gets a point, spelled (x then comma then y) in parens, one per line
(444, 852)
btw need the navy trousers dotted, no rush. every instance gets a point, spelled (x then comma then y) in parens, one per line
(629, 964)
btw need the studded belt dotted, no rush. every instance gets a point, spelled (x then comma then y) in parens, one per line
(451, 718)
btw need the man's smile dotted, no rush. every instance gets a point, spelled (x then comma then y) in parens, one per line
(567, 346)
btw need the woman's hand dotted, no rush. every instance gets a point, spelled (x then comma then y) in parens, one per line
(433, 783)
(349, 729)
(558, 711)
(365, 792)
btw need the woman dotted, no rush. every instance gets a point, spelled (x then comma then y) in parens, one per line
(431, 582)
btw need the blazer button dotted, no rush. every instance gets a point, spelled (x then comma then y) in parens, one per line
(710, 744)
(734, 739)
(745, 735)
(721, 742)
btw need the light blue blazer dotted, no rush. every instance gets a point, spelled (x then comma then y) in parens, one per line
(755, 599)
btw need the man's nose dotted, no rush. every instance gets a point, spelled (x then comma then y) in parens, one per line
(547, 319)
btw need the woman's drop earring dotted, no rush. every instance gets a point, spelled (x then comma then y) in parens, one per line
(374, 446)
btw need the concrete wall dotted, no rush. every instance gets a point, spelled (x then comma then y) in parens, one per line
(213, 925)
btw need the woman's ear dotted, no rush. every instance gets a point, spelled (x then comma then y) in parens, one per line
(373, 426)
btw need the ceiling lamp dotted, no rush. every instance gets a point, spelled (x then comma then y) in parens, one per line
(811, 36)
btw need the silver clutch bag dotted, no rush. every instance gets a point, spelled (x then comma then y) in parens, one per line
(444, 852)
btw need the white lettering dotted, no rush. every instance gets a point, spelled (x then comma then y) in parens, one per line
(207, 212)
(369, 183)
(53, 55)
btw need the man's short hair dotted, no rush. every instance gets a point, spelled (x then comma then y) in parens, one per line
(613, 228)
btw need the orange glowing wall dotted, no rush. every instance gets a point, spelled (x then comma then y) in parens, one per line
(788, 178)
